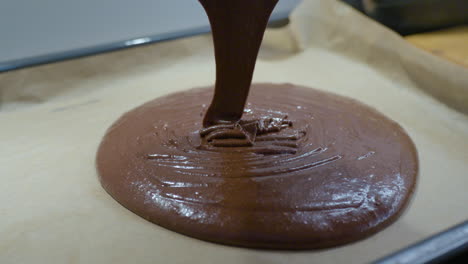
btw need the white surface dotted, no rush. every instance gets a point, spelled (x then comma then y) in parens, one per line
(33, 28)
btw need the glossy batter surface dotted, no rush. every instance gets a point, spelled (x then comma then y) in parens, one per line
(334, 172)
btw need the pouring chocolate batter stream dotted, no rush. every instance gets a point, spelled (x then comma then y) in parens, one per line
(282, 166)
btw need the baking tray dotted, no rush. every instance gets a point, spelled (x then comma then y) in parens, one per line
(446, 246)
(450, 246)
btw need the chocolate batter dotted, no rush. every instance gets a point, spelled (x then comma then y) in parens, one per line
(349, 172)
(237, 27)
(301, 169)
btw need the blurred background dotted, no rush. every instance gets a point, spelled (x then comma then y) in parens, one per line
(35, 32)
(413, 16)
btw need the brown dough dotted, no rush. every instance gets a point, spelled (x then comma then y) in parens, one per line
(350, 174)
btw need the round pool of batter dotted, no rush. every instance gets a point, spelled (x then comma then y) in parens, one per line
(336, 172)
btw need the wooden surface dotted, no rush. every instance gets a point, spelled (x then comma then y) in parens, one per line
(451, 44)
